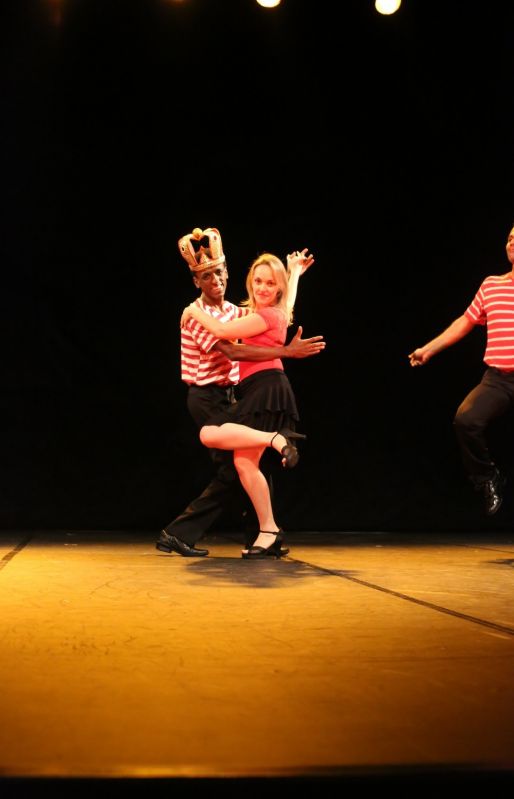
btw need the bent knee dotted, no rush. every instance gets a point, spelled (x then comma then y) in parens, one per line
(465, 419)
(207, 434)
(245, 463)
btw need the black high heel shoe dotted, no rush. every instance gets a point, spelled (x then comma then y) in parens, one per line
(261, 553)
(284, 551)
(289, 451)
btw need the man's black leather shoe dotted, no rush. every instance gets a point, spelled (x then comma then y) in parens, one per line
(170, 543)
(493, 493)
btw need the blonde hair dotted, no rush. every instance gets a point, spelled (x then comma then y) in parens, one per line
(280, 275)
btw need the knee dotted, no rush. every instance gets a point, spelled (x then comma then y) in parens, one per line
(207, 433)
(466, 421)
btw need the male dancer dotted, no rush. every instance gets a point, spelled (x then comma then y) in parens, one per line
(492, 306)
(210, 369)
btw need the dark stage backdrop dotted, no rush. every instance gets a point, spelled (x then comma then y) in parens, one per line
(383, 144)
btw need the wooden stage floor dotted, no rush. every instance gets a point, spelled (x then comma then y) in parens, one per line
(374, 660)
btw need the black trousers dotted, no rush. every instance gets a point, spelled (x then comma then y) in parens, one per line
(493, 397)
(224, 492)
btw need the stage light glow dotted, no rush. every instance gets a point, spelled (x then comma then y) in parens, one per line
(269, 3)
(387, 6)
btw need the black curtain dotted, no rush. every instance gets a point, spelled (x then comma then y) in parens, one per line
(383, 144)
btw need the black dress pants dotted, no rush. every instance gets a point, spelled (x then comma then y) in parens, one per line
(493, 397)
(224, 492)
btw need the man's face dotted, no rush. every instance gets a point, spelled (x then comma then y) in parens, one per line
(212, 283)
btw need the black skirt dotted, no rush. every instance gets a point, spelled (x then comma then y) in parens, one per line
(265, 401)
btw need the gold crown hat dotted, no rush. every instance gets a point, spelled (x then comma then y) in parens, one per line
(204, 257)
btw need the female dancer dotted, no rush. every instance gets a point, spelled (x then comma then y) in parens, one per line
(266, 412)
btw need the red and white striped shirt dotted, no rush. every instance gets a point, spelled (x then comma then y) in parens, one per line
(493, 306)
(200, 363)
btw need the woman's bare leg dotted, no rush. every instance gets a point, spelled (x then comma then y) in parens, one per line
(253, 481)
(239, 436)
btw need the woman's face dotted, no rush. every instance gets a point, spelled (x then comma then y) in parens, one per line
(265, 287)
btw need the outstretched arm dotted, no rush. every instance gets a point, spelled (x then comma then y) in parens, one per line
(457, 330)
(298, 347)
(297, 264)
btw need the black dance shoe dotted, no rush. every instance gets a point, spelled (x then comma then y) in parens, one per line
(261, 553)
(284, 551)
(289, 452)
(493, 493)
(170, 543)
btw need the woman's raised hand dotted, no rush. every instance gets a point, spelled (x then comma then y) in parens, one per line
(299, 260)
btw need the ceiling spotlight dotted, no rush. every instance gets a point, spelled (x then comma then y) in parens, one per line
(387, 6)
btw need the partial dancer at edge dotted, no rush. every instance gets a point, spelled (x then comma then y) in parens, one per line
(492, 306)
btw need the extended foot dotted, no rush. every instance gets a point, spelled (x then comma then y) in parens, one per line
(279, 442)
(282, 441)
(493, 493)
